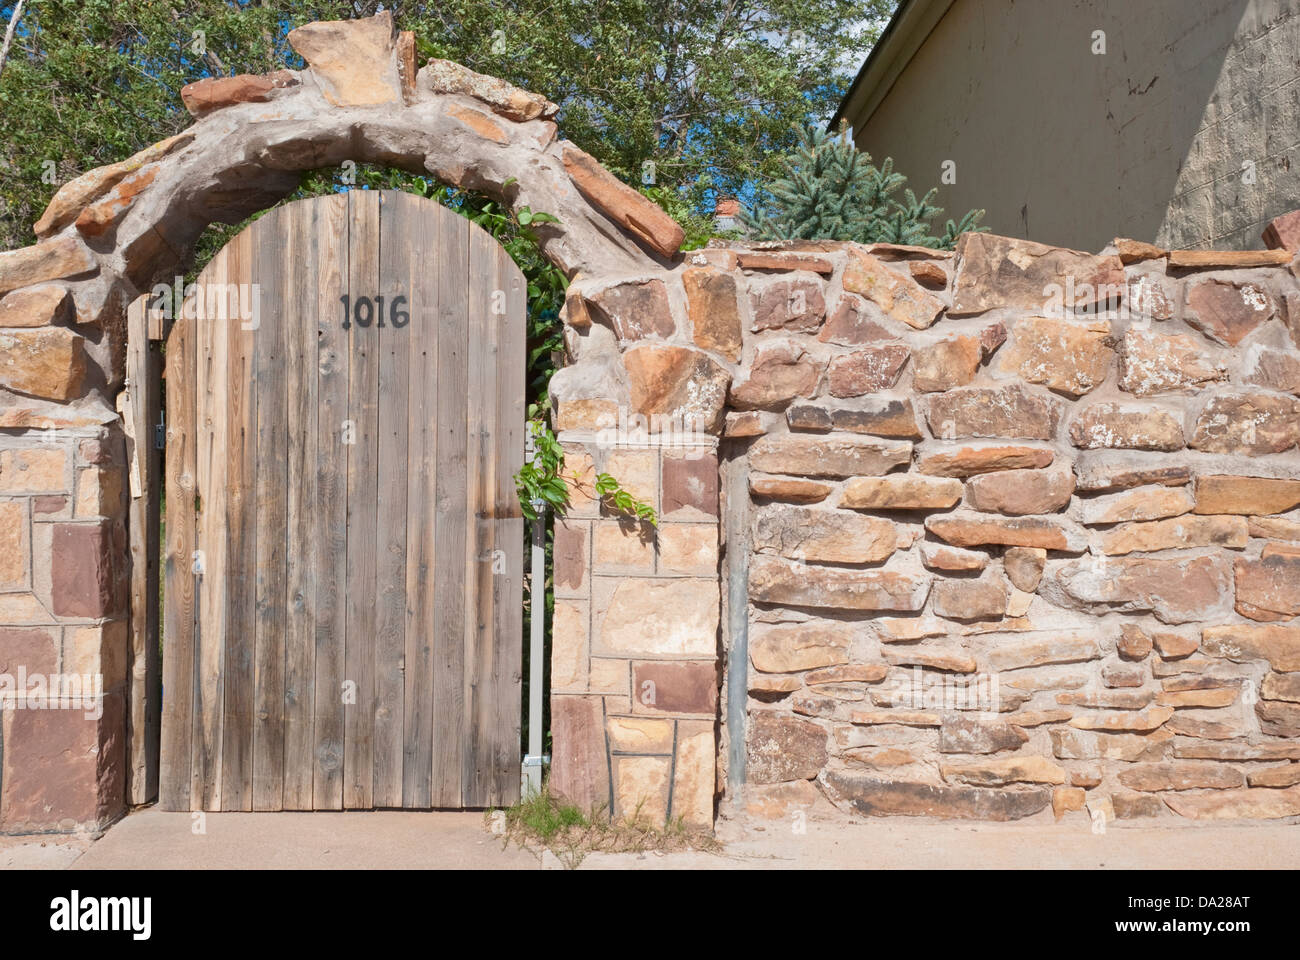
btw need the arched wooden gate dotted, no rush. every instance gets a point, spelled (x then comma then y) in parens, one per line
(344, 548)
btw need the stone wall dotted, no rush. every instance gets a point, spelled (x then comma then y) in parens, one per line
(1022, 532)
(634, 667)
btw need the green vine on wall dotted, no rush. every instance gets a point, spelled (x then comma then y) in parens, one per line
(542, 481)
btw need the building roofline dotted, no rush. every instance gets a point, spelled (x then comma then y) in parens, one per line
(907, 29)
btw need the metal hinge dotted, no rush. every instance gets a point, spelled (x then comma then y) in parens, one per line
(160, 434)
(533, 760)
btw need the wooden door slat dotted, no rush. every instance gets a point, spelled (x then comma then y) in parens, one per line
(363, 495)
(329, 547)
(276, 315)
(309, 301)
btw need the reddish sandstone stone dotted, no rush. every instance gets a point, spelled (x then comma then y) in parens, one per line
(1134, 643)
(212, 93)
(570, 554)
(780, 581)
(1124, 427)
(969, 599)
(999, 772)
(867, 371)
(1019, 492)
(827, 457)
(479, 122)
(795, 304)
(875, 797)
(712, 303)
(966, 734)
(788, 489)
(634, 309)
(1283, 233)
(787, 648)
(881, 416)
(1248, 803)
(1273, 369)
(780, 371)
(854, 323)
(41, 306)
(995, 271)
(825, 536)
(63, 769)
(690, 484)
(580, 768)
(766, 260)
(946, 364)
(1181, 775)
(684, 686)
(1143, 503)
(970, 461)
(1181, 590)
(84, 579)
(938, 557)
(1069, 357)
(1175, 534)
(928, 274)
(50, 260)
(1012, 411)
(1245, 495)
(967, 529)
(1024, 567)
(629, 209)
(1247, 423)
(899, 296)
(901, 492)
(782, 748)
(1227, 311)
(677, 382)
(1226, 259)
(1269, 588)
(1105, 470)
(1134, 251)
(1152, 363)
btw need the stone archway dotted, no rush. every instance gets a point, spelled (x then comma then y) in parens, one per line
(117, 231)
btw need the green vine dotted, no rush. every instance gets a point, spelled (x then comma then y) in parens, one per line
(542, 480)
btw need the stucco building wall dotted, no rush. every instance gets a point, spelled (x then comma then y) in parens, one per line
(1066, 146)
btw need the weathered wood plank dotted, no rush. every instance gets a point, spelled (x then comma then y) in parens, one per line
(279, 243)
(505, 683)
(363, 496)
(310, 301)
(213, 411)
(180, 608)
(480, 562)
(421, 501)
(449, 732)
(397, 214)
(142, 410)
(240, 568)
(330, 541)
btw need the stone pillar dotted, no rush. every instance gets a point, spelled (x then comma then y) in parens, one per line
(634, 668)
(63, 646)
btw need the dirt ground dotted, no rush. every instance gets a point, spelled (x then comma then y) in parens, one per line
(150, 838)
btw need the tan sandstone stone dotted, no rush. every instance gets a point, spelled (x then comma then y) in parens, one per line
(1072, 358)
(901, 492)
(899, 296)
(1124, 427)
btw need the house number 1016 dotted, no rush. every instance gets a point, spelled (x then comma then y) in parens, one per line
(368, 310)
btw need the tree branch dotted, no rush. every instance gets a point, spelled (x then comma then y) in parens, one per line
(9, 33)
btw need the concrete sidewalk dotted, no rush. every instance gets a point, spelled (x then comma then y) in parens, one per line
(405, 840)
